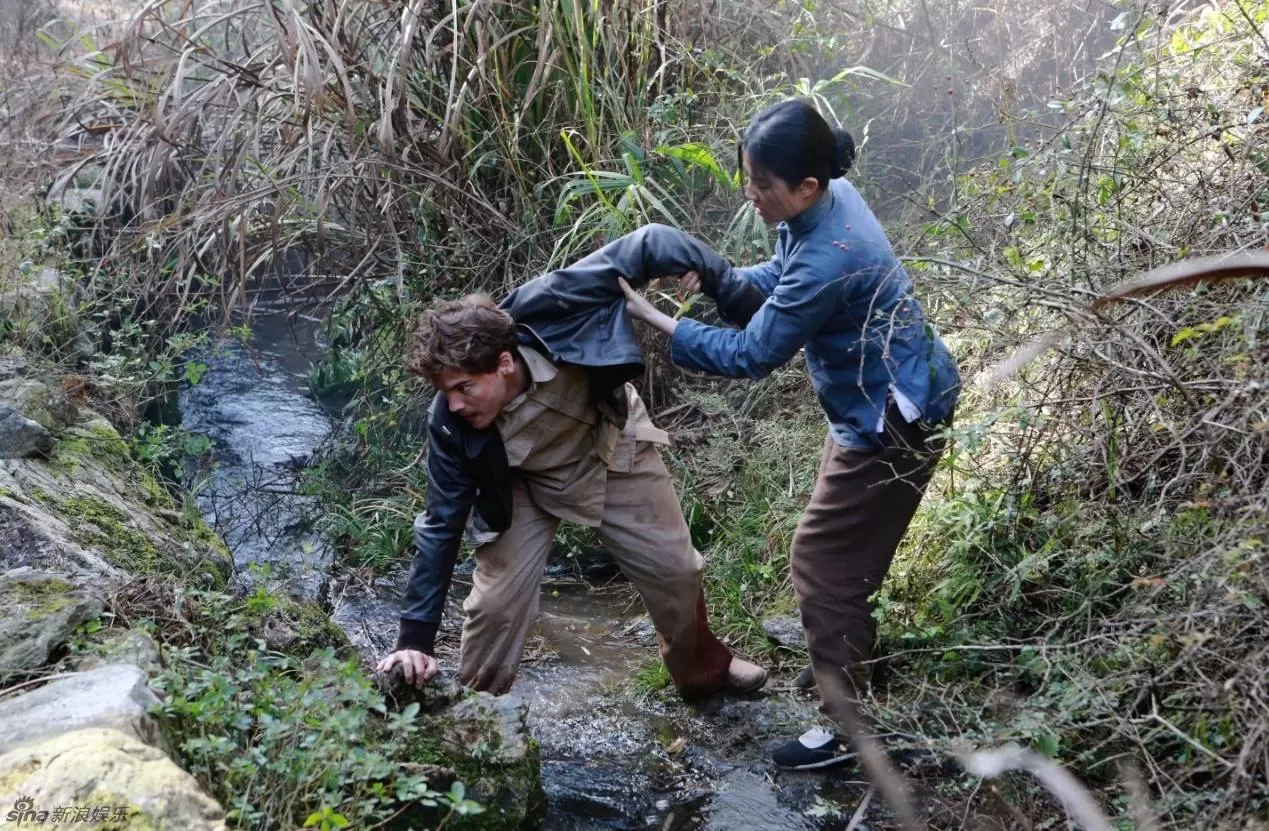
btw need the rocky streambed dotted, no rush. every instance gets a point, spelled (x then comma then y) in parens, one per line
(611, 756)
(80, 521)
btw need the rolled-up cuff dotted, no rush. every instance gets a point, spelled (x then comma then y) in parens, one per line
(417, 634)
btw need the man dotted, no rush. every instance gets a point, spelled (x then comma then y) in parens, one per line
(534, 421)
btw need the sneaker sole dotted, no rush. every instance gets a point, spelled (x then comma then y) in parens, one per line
(836, 760)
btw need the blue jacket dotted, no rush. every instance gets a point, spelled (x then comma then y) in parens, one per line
(836, 288)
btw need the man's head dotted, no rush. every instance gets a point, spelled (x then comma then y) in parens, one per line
(466, 349)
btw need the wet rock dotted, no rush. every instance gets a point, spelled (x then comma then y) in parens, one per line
(743, 799)
(641, 631)
(593, 794)
(20, 437)
(491, 729)
(485, 740)
(439, 693)
(590, 563)
(116, 696)
(136, 786)
(786, 631)
(38, 612)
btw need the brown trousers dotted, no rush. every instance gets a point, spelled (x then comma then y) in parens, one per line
(860, 509)
(644, 529)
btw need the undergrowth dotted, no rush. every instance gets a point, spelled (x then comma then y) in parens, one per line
(274, 716)
(1087, 575)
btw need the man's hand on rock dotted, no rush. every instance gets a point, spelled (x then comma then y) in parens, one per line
(417, 668)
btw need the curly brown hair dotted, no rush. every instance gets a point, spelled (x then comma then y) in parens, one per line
(467, 335)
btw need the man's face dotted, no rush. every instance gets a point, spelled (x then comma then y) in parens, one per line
(479, 398)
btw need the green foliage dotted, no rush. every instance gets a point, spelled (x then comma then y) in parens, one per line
(289, 740)
(652, 677)
(1087, 574)
(1080, 579)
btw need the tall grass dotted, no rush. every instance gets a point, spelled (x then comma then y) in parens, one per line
(1090, 564)
(1093, 580)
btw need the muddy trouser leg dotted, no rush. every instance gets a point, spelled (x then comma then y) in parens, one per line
(503, 603)
(644, 528)
(859, 511)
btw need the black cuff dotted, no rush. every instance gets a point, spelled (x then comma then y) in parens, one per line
(417, 634)
(742, 305)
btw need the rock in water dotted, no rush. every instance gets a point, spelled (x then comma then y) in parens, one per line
(482, 740)
(488, 740)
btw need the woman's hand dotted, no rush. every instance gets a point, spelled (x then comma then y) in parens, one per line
(641, 308)
(691, 282)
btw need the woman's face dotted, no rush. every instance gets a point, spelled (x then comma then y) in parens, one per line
(773, 197)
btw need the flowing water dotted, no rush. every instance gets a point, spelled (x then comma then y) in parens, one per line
(612, 758)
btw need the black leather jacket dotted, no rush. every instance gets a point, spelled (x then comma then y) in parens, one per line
(574, 315)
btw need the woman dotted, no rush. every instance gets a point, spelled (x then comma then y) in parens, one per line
(887, 383)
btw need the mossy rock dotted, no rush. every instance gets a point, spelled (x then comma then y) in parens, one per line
(113, 646)
(485, 741)
(90, 483)
(38, 614)
(293, 626)
(97, 439)
(137, 785)
(38, 402)
(96, 523)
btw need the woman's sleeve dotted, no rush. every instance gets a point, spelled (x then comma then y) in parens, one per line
(798, 306)
(765, 275)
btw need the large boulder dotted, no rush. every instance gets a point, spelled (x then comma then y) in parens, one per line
(38, 612)
(116, 696)
(108, 776)
(91, 510)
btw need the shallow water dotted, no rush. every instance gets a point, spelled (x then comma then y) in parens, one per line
(612, 758)
(254, 404)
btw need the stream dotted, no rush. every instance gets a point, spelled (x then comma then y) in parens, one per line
(612, 758)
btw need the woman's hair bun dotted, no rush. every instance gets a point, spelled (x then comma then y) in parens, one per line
(845, 151)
